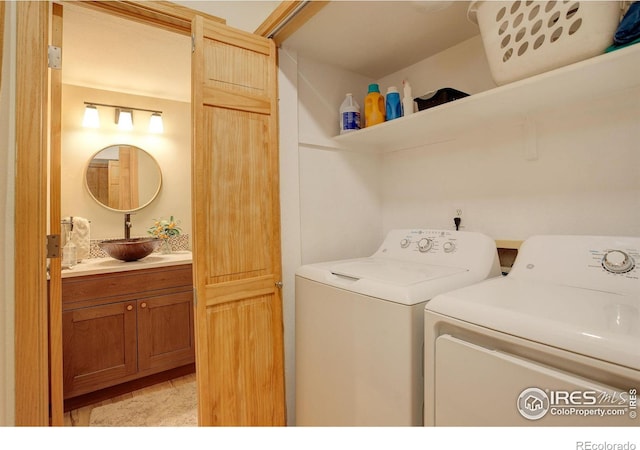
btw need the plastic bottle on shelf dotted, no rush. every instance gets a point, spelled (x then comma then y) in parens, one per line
(349, 115)
(373, 106)
(393, 105)
(408, 105)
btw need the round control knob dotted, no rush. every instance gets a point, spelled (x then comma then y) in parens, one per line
(405, 243)
(617, 261)
(424, 245)
(449, 246)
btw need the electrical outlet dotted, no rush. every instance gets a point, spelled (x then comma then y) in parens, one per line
(458, 213)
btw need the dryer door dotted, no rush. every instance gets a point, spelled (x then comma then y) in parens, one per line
(476, 386)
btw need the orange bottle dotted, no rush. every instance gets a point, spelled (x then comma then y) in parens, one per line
(373, 106)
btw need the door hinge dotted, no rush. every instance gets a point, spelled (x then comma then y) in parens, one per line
(195, 297)
(54, 55)
(53, 246)
(193, 43)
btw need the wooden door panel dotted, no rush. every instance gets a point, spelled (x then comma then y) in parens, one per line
(239, 211)
(243, 101)
(128, 177)
(248, 385)
(239, 330)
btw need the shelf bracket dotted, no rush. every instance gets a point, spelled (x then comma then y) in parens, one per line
(530, 139)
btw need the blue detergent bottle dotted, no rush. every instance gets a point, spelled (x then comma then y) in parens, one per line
(393, 106)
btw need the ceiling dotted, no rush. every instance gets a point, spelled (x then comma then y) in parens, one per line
(402, 32)
(102, 51)
(110, 53)
(106, 52)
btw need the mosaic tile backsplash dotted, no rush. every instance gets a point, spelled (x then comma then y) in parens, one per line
(177, 243)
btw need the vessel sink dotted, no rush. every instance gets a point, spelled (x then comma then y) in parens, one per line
(131, 249)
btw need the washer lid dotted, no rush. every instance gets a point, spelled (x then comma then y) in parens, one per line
(593, 323)
(400, 273)
(403, 282)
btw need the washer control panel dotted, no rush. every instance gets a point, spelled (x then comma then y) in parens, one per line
(463, 249)
(425, 241)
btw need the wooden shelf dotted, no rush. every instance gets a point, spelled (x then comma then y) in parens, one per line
(509, 104)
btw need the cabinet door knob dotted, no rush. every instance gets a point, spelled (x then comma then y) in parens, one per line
(143, 305)
(129, 307)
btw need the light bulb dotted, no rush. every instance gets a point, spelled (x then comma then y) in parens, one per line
(124, 119)
(91, 118)
(155, 123)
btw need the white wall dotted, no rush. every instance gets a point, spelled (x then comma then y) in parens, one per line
(339, 198)
(290, 213)
(245, 15)
(171, 149)
(327, 208)
(586, 179)
(7, 209)
(463, 67)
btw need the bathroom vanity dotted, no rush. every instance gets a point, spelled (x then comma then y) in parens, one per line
(123, 321)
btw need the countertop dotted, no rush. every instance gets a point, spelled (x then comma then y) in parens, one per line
(94, 266)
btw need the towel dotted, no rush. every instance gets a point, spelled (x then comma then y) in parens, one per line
(80, 235)
(629, 28)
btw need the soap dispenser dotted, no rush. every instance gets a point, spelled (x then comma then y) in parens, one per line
(69, 253)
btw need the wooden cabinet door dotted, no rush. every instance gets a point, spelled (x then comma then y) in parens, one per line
(99, 346)
(165, 332)
(236, 228)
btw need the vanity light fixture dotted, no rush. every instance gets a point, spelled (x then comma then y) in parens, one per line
(91, 118)
(155, 123)
(123, 117)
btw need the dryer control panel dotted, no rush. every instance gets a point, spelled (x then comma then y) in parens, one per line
(618, 261)
(606, 263)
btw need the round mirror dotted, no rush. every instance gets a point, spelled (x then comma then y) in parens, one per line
(123, 178)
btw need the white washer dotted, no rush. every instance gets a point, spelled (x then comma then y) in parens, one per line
(359, 325)
(556, 342)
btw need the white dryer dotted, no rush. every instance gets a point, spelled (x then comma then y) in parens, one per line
(555, 342)
(359, 325)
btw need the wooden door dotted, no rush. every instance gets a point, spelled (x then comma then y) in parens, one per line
(38, 310)
(235, 204)
(128, 177)
(165, 332)
(114, 184)
(55, 216)
(100, 346)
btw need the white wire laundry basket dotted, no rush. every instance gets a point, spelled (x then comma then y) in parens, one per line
(525, 38)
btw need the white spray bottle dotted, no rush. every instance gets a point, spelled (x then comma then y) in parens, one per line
(408, 106)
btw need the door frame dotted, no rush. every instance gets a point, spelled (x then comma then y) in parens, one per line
(32, 394)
